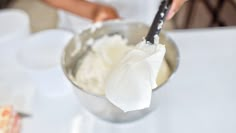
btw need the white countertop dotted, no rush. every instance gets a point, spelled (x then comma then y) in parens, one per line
(201, 98)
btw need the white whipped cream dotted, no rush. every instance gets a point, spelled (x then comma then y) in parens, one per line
(106, 53)
(124, 73)
(130, 84)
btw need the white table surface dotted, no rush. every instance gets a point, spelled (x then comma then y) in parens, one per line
(201, 98)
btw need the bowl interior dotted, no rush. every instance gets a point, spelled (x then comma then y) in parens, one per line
(133, 31)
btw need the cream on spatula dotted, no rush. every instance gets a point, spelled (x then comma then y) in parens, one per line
(129, 85)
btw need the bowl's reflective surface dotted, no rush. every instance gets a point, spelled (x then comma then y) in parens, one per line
(99, 105)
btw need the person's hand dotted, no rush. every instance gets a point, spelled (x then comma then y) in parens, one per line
(104, 13)
(90, 10)
(176, 4)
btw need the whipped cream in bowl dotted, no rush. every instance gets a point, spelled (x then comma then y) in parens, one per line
(115, 73)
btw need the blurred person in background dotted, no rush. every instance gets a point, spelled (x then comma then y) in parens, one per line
(76, 15)
(98, 10)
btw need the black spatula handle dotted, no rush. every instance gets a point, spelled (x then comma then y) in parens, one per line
(158, 20)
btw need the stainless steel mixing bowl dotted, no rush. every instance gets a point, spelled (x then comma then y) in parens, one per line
(99, 105)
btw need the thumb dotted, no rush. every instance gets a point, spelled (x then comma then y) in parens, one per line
(175, 8)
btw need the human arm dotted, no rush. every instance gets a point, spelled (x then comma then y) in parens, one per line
(90, 10)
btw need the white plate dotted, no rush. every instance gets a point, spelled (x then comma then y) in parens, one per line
(41, 54)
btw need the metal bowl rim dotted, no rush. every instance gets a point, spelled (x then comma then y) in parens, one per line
(122, 22)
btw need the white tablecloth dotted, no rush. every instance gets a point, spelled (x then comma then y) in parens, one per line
(201, 98)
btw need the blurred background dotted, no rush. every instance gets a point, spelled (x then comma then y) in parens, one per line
(194, 14)
(206, 13)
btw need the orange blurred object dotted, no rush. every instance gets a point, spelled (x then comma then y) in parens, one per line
(104, 13)
(9, 120)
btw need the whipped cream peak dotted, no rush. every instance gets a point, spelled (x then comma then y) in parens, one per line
(129, 85)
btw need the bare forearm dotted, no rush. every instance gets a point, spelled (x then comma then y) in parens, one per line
(79, 7)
